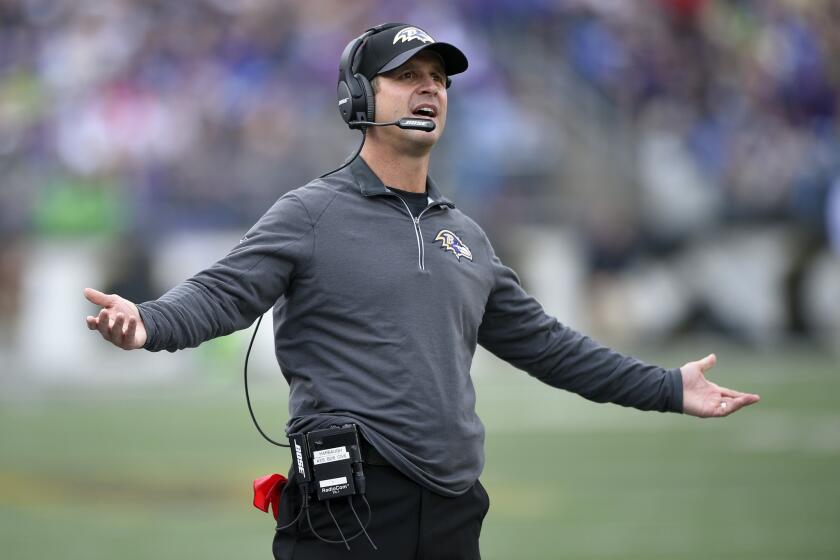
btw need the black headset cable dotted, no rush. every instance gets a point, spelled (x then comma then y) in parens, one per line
(257, 328)
(247, 394)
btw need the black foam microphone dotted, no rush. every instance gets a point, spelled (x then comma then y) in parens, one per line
(408, 123)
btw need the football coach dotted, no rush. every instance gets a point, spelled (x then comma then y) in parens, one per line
(381, 289)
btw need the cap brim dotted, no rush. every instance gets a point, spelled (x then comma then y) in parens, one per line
(454, 61)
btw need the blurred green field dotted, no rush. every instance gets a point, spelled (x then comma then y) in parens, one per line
(166, 472)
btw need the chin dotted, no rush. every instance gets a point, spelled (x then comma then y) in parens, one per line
(424, 139)
(409, 141)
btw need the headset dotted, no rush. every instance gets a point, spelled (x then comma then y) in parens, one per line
(355, 93)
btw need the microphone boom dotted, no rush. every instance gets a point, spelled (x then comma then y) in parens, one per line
(407, 123)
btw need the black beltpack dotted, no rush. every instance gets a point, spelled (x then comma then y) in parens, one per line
(329, 462)
(328, 465)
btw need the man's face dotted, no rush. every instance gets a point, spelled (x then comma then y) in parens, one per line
(415, 89)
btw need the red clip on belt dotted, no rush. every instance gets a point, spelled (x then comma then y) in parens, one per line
(267, 491)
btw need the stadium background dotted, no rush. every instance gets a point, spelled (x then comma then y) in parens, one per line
(664, 174)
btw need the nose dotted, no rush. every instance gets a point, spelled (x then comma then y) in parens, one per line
(429, 85)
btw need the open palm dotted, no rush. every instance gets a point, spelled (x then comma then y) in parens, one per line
(118, 322)
(705, 399)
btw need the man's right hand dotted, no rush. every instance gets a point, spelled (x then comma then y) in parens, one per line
(118, 322)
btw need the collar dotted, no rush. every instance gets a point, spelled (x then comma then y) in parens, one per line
(371, 185)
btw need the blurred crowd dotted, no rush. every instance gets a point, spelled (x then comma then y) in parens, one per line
(135, 118)
(735, 103)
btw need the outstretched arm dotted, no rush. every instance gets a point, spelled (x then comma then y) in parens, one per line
(118, 322)
(516, 328)
(223, 298)
(705, 399)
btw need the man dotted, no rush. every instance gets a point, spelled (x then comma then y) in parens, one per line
(381, 290)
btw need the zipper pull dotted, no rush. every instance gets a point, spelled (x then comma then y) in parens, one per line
(417, 221)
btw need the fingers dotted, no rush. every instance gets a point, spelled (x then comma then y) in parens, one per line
(729, 405)
(97, 297)
(113, 322)
(736, 394)
(117, 334)
(120, 332)
(103, 324)
(131, 330)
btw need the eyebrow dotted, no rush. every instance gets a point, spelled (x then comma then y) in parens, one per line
(438, 68)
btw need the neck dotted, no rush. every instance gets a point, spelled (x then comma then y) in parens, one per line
(406, 172)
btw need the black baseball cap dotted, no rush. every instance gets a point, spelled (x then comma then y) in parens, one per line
(391, 48)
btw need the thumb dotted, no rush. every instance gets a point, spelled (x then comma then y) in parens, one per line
(97, 297)
(707, 363)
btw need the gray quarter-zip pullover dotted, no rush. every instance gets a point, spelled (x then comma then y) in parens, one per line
(376, 318)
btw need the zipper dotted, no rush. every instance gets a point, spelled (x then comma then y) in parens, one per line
(418, 233)
(420, 237)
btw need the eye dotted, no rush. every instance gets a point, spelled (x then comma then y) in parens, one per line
(407, 75)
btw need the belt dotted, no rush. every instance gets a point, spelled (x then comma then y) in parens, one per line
(370, 455)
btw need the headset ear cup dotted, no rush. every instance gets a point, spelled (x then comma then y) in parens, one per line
(370, 103)
(345, 101)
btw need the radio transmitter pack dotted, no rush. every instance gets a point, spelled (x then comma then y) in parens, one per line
(329, 461)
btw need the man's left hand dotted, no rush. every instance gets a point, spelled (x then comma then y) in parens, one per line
(705, 399)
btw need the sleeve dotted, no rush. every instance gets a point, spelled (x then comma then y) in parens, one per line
(516, 328)
(240, 287)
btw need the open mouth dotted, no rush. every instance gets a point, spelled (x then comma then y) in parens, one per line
(425, 111)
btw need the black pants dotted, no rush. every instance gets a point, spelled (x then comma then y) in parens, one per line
(407, 522)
